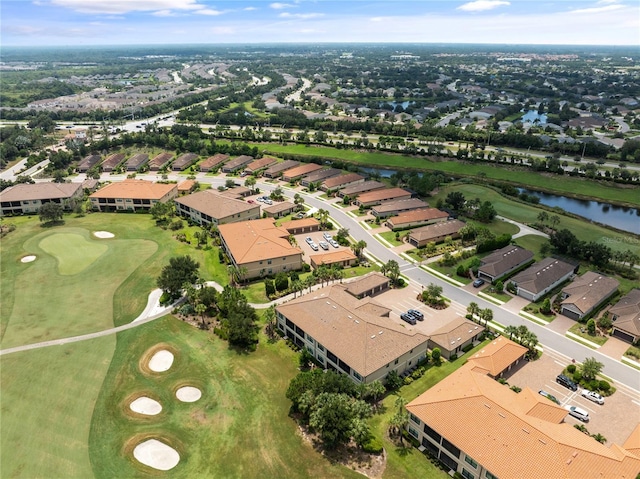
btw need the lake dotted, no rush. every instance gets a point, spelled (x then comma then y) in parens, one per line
(532, 115)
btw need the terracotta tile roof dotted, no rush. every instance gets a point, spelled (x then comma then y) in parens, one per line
(333, 257)
(361, 188)
(257, 240)
(301, 170)
(627, 309)
(135, 189)
(238, 162)
(542, 274)
(213, 161)
(418, 215)
(184, 161)
(321, 175)
(366, 283)
(364, 341)
(407, 205)
(499, 262)
(589, 290)
(498, 355)
(301, 223)
(503, 431)
(280, 167)
(215, 205)
(336, 181)
(443, 228)
(279, 207)
(112, 161)
(632, 444)
(39, 191)
(382, 195)
(186, 185)
(261, 163)
(455, 333)
(160, 160)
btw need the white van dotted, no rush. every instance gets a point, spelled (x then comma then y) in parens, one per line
(578, 413)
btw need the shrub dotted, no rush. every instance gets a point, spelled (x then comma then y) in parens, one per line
(393, 381)
(435, 355)
(577, 376)
(502, 381)
(221, 333)
(591, 327)
(516, 389)
(468, 348)
(400, 283)
(594, 384)
(462, 271)
(220, 256)
(373, 446)
(408, 380)
(571, 368)
(417, 374)
(282, 282)
(165, 299)
(269, 287)
(176, 225)
(604, 386)
(453, 357)
(294, 276)
(306, 267)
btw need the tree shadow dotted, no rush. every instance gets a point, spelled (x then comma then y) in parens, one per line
(51, 224)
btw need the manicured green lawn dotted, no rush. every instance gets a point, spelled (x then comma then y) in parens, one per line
(239, 428)
(48, 398)
(504, 172)
(533, 243)
(390, 237)
(577, 330)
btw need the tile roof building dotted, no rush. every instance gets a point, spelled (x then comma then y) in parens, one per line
(319, 175)
(300, 171)
(454, 336)
(160, 161)
(210, 207)
(435, 233)
(498, 357)
(359, 188)
(237, 163)
(368, 285)
(343, 257)
(213, 162)
(478, 428)
(419, 217)
(301, 226)
(341, 181)
(88, 162)
(278, 210)
(132, 195)
(112, 162)
(377, 197)
(184, 161)
(261, 247)
(350, 335)
(28, 198)
(137, 161)
(279, 168)
(503, 261)
(260, 164)
(626, 317)
(396, 207)
(586, 293)
(541, 277)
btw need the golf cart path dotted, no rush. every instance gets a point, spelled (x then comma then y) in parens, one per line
(524, 229)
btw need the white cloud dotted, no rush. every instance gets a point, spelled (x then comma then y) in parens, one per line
(482, 5)
(302, 16)
(208, 11)
(163, 13)
(281, 6)
(606, 8)
(126, 6)
(249, 9)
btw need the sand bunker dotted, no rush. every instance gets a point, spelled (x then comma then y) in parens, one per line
(156, 454)
(161, 361)
(145, 405)
(188, 394)
(103, 234)
(28, 259)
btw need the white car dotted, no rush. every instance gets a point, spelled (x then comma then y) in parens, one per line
(592, 396)
(326, 236)
(578, 413)
(334, 243)
(324, 245)
(313, 246)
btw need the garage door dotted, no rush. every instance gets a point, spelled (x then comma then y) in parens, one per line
(622, 335)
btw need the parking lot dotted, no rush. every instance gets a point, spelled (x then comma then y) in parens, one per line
(615, 419)
(317, 238)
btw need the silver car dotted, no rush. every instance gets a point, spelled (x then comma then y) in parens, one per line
(592, 396)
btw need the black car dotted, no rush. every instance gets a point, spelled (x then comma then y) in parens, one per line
(478, 282)
(408, 318)
(566, 382)
(416, 314)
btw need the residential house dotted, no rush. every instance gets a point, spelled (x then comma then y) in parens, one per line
(341, 181)
(454, 336)
(28, 198)
(276, 170)
(260, 164)
(237, 163)
(112, 162)
(301, 226)
(625, 315)
(586, 293)
(349, 335)
(278, 210)
(359, 188)
(503, 261)
(342, 257)
(132, 195)
(478, 428)
(300, 171)
(237, 192)
(210, 207)
(137, 161)
(213, 162)
(394, 208)
(187, 186)
(377, 197)
(435, 233)
(88, 162)
(368, 285)
(160, 161)
(319, 175)
(184, 161)
(260, 247)
(413, 218)
(498, 357)
(541, 277)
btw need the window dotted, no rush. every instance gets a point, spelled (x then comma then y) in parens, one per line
(357, 376)
(470, 461)
(320, 359)
(467, 475)
(396, 362)
(320, 347)
(269, 262)
(489, 475)
(455, 452)
(413, 432)
(448, 461)
(414, 418)
(432, 434)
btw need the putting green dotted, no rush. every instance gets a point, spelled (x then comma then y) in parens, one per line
(73, 251)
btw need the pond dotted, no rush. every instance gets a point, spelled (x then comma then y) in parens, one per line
(532, 115)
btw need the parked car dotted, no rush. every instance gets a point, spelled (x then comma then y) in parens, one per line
(309, 240)
(324, 245)
(549, 396)
(326, 236)
(566, 382)
(478, 282)
(301, 215)
(268, 202)
(578, 413)
(409, 319)
(314, 246)
(334, 243)
(592, 396)
(417, 314)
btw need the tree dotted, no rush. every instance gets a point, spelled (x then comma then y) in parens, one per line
(241, 324)
(200, 309)
(359, 247)
(591, 367)
(160, 211)
(545, 308)
(511, 331)
(455, 200)
(323, 217)
(591, 327)
(298, 200)
(486, 314)
(392, 270)
(436, 354)
(180, 270)
(50, 212)
(297, 286)
(201, 237)
(400, 418)
(599, 437)
(485, 213)
(432, 294)
(333, 416)
(250, 182)
(270, 318)
(473, 309)
(543, 216)
(374, 390)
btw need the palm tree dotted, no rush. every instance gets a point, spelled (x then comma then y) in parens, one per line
(359, 247)
(200, 309)
(473, 309)
(297, 286)
(323, 216)
(399, 420)
(234, 274)
(309, 281)
(511, 331)
(599, 437)
(487, 315)
(543, 217)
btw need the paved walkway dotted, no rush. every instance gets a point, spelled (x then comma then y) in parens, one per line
(524, 229)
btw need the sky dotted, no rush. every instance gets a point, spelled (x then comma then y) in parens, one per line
(140, 22)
